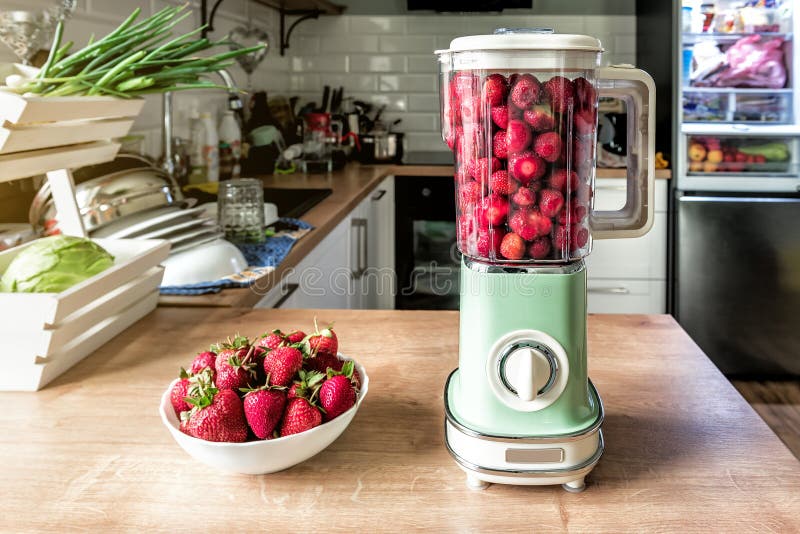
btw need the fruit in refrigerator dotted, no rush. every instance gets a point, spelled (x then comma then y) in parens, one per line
(714, 156)
(697, 152)
(512, 247)
(547, 146)
(775, 151)
(696, 166)
(300, 415)
(263, 408)
(710, 166)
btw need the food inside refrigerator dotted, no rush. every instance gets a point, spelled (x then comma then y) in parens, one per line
(719, 154)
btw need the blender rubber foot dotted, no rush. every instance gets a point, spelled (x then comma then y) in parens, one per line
(475, 483)
(574, 486)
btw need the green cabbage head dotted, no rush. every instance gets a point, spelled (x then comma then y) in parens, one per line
(53, 264)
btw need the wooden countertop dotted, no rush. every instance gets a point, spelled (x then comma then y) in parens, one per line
(684, 451)
(350, 186)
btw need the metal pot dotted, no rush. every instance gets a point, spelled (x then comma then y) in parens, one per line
(382, 147)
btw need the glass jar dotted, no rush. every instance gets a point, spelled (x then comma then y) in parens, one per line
(240, 210)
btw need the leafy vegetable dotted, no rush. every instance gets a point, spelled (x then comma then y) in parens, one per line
(53, 264)
(133, 60)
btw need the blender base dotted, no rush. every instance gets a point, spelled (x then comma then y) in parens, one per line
(525, 460)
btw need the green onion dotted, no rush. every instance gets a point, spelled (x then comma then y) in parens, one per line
(136, 58)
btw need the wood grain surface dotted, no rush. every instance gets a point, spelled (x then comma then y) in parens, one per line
(684, 451)
(350, 186)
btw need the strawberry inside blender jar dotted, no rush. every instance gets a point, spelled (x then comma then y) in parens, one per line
(524, 145)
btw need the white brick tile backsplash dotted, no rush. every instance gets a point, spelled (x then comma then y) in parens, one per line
(333, 64)
(377, 63)
(426, 63)
(385, 60)
(360, 24)
(410, 83)
(405, 44)
(423, 102)
(348, 43)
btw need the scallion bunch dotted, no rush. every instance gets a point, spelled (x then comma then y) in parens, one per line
(135, 59)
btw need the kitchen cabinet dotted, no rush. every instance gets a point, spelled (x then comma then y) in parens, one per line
(629, 275)
(351, 268)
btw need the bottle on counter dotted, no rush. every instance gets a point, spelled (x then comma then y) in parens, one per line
(226, 161)
(198, 172)
(210, 147)
(231, 134)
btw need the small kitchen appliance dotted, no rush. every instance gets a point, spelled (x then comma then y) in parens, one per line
(519, 109)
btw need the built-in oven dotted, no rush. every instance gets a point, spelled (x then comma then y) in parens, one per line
(426, 257)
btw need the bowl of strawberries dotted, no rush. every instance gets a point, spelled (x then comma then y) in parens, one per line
(261, 406)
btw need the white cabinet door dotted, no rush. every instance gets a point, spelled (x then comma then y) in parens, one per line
(380, 279)
(627, 296)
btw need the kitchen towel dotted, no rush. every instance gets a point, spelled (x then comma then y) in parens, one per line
(262, 259)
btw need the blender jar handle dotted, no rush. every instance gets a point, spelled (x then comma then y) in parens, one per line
(636, 88)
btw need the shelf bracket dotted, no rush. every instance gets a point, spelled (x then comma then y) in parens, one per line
(287, 33)
(207, 18)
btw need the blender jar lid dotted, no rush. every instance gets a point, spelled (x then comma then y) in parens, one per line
(525, 39)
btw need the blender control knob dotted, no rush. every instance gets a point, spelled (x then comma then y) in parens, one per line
(527, 370)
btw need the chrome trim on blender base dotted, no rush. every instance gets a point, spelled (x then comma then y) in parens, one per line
(536, 440)
(513, 268)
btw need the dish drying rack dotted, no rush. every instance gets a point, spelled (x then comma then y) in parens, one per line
(51, 135)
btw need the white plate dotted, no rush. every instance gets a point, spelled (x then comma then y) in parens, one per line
(186, 236)
(165, 231)
(196, 241)
(141, 222)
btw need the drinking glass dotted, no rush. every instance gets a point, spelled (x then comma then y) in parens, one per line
(241, 210)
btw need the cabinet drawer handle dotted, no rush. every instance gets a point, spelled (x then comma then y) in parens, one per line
(609, 290)
(361, 247)
(290, 289)
(611, 187)
(378, 195)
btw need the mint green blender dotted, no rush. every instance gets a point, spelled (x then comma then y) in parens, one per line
(519, 109)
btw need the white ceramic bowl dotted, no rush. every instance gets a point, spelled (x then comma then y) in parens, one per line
(261, 457)
(204, 263)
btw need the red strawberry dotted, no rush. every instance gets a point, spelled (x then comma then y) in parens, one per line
(178, 393)
(494, 209)
(526, 166)
(216, 415)
(488, 244)
(502, 184)
(321, 341)
(558, 180)
(576, 211)
(550, 202)
(518, 135)
(454, 137)
(540, 117)
(263, 408)
(585, 93)
(495, 89)
(577, 235)
(524, 197)
(233, 364)
(307, 384)
(295, 336)
(560, 92)
(336, 396)
(525, 91)
(463, 84)
(480, 169)
(540, 248)
(585, 121)
(470, 193)
(500, 116)
(202, 361)
(300, 415)
(512, 247)
(547, 146)
(500, 144)
(323, 361)
(471, 110)
(273, 340)
(281, 364)
(523, 226)
(542, 224)
(582, 154)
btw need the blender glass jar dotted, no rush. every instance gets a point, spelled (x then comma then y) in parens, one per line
(519, 109)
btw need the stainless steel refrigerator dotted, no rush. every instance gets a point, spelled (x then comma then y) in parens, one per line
(736, 233)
